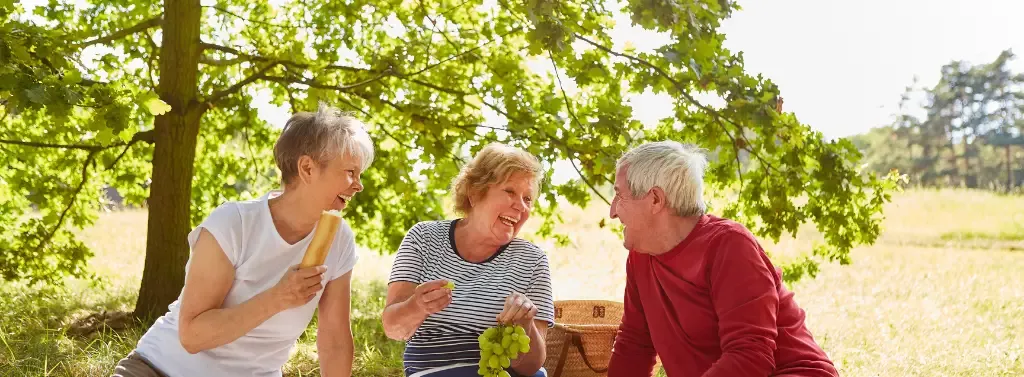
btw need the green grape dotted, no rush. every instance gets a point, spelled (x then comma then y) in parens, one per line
(499, 345)
(524, 340)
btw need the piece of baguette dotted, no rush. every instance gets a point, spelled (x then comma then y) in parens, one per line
(322, 239)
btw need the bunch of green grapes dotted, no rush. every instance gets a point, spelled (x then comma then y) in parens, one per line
(500, 345)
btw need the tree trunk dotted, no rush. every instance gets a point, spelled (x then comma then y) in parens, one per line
(970, 177)
(1009, 170)
(173, 159)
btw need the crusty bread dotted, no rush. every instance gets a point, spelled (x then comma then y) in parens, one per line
(322, 239)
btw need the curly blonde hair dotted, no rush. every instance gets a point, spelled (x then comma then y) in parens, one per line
(494, 164)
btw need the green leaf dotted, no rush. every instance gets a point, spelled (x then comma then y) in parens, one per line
(105, 136)
(126, 135)
(151, 102)
(72, 77)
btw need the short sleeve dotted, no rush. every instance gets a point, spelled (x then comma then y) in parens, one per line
(408, 266)
(345, 244)
(224, 223)
(540, 291)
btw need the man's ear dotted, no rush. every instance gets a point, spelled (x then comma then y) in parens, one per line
(307, 169)
(658, 199)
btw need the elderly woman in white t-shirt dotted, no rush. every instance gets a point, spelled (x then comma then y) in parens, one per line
(245, 302)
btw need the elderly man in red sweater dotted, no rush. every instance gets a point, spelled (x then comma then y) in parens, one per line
(700, 291)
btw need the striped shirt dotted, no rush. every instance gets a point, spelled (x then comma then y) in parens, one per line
(450, 336)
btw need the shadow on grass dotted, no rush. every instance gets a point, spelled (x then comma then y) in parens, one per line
(34, 323)
(35, 340)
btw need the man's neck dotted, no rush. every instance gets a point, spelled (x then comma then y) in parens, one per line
(670, 232)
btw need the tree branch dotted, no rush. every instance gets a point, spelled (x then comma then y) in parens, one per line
(218, 95)
(219, 62)
(389, 134)
(314, 84)
(719, 118)
(230, 13)
(258, 58)
(151, 60)
(71, 202)
(461, 53)
(84, 147)
(572, 114)
(144, 25)
(147, 136)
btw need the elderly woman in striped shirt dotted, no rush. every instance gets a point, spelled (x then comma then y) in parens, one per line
(499, 278)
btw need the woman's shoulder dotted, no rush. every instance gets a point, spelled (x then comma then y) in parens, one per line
(431, 226)
(526, 248)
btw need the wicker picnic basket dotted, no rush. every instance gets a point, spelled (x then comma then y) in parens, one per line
(580, 344)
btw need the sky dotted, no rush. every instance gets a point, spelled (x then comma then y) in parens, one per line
(843, 65)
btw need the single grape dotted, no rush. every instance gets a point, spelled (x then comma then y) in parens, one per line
(450, 285)
(520, 330)
(505, 342)
(524, 340)
(498, 350)
(505, 362)
(524, 348)
(490, 332)
(494, 362)
(482, 371)
(504, 374)
(508, 330)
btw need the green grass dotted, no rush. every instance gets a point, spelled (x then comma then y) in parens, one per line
(940, 294)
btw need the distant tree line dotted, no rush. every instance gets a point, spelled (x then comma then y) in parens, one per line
(972, 134)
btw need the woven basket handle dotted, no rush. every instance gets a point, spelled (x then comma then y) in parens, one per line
(576, 341)
(579, 346)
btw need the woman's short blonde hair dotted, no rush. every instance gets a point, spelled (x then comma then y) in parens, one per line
(494, 164)
(324, 135)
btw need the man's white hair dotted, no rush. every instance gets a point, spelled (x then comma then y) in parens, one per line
(675, 167)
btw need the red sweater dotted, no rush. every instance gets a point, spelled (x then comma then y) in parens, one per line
(713, 306)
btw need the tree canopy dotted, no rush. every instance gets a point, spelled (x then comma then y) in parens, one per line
(155, 100)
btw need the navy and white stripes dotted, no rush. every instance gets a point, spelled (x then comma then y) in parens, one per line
(450, 336)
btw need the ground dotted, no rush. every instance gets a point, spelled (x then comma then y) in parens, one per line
(940, 294)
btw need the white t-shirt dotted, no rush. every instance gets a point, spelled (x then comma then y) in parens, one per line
(260, 257)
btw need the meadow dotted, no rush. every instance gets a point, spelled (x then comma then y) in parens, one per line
(940, 294)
